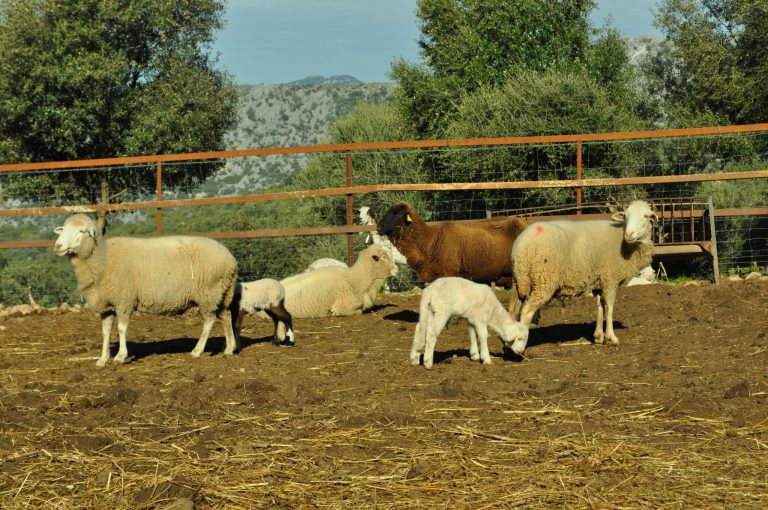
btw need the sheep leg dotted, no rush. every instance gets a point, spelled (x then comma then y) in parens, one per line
(279, 314)
(599, 322)
(237, 325)
(233, 342)
(609, 297)
(474, 353)
(122, 330)
(347, 305)
(208, 321)
(106, 331)
(419, 341)
(482, 333)
(435, 326)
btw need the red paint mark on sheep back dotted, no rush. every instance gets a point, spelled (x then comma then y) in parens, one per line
(539, 229)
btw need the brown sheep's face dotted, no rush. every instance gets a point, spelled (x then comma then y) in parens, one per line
(395, 220)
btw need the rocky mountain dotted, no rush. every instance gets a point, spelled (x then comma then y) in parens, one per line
(283, 116)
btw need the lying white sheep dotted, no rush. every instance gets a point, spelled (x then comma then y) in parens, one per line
(570, 258)
(171, 274)
(339, 290)
(326, 262)
(647, 276)
(268, 296)
(452, 296)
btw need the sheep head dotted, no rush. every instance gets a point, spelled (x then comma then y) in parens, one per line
(639, 220)
(377, 258)
(77, 237)
(399, 217)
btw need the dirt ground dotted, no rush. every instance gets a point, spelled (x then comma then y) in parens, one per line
(675, 417)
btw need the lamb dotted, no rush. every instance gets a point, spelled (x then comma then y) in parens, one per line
(337, 290)
(646, 277)
(452, 296)
(477, 250)
(266, 295)
(120, 275)
(570, 258)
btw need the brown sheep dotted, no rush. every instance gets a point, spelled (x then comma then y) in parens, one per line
(478, 250)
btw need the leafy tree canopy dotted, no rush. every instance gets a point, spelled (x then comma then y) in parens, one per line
(718, 58)
(102, 78)
(469, 44)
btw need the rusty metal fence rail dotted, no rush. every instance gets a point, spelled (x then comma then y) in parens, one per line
(349, 189)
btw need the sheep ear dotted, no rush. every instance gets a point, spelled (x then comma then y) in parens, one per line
(58, 230)
(619, 216)
(654, 218)
(408, 219)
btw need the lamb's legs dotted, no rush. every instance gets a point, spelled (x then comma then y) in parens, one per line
(474, 353)
(106, 331)
(482, 333)
(122, 330)
(279, 315)
(435, 326)
(208, 321)
(609, 297)
(599, 322)
(419, 341)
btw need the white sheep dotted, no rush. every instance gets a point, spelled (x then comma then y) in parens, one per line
(647, 276)
(564, 258)
(120, 275)
(325, 262)
(339, 290)
(452, 296)
(375, 238)
(268, 296)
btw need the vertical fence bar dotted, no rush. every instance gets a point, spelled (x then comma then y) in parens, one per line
(578, 176)
(350, 218)
(713, 238)
(159, 216)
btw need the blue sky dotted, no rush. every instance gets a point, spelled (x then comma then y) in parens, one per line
(277, 41)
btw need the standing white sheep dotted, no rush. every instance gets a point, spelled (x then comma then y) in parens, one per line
(339, 290)
(570, 258)
(452, 296)
(268, 296)
(120, 275)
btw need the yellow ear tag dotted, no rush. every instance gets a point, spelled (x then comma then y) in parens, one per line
(408, 218)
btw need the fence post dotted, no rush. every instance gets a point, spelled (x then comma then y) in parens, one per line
(159, 216)
(578, 176)
(350, 216)
(713, 238)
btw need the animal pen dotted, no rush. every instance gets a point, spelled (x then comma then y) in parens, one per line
(687, 174)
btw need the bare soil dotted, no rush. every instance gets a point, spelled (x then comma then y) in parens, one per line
(675, 417)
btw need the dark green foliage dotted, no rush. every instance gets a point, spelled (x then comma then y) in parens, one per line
(103, 78)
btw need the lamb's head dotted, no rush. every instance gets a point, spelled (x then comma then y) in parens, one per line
(397, 220)
(77, 237)
(639, 220)
(377, 261)
(514, 335)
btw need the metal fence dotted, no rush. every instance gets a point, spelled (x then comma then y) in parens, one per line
(451, 179)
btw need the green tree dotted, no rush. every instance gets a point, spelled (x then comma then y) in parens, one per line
(101, 78)
(717, 60)
(469, 44)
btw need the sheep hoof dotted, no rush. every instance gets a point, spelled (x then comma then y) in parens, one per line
(474, 356)
(415, 360)
(276, 341)
(612, 341)
(195, 354)
(486, 361)
(120, 359)
(102, 362)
